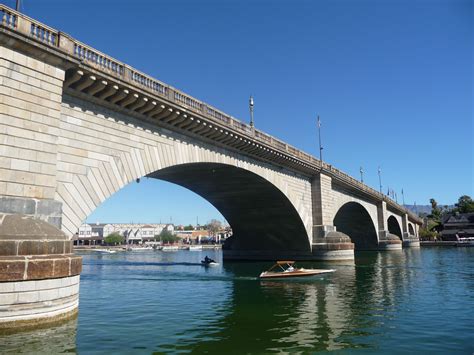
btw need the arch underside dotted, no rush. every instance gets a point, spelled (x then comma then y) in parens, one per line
(354, 220)
(261, 216)
(411, 230)
(394, 227)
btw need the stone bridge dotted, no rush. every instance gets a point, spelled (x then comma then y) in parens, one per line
(77, 125)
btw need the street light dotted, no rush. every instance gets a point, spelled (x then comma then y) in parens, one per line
(361, 174)
(320, 145)
(251, 110)
(380, 179)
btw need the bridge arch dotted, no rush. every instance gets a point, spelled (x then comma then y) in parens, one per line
(411, 230)
(113, 149)
(261, 216)
(394, 226)
(354, 220)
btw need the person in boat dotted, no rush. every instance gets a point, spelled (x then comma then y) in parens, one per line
(208, 260)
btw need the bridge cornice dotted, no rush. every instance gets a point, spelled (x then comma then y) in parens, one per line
(91, 72)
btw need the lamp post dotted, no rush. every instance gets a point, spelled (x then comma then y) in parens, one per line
(361, 174)
(18, 5)
(251, 110)
(380, 179)
(320, 145)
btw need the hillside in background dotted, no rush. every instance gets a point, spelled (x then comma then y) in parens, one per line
(419, 208)
(423, 208)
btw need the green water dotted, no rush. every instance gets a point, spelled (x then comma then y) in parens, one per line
(412, 301)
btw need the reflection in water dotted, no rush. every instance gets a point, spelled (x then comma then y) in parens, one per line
(167, 302)
(55, 340)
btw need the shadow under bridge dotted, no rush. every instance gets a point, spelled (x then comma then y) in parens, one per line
(263, 220)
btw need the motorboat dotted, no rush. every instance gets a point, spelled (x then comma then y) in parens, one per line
(105, 251)
(286, 269)
(465, 242)
(170, 248)
(194, 247)
(139, 248)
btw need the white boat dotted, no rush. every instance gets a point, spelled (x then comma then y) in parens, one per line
(139, 248)
(105, 251)
(285, 269)
(170, 248)
(465, 242)
(195, 247)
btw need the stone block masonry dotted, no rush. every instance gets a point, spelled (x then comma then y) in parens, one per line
(30, 105)
(39, 275)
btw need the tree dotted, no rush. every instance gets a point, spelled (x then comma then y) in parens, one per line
(435, 211)
(188, 228)
(214, 226)
(465, 205)
(426, 234)
(114, 238)
(166, 237)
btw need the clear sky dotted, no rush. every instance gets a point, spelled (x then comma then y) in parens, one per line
(391, 80)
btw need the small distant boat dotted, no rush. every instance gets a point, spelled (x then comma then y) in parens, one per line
(170, 248)
(195, 247)
(139, 248)
(105, 251)
(465, 242)
(285, 269)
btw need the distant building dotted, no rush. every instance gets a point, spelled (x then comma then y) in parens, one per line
(94, 234)
(192, 236)
(457, 226)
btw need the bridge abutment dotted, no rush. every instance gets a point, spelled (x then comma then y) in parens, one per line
(327, 243)
(387, 241)
(409, 240)
(39, 275)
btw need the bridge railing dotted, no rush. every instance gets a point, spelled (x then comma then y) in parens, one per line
(33, 29)
(102, 62)
(9, 18)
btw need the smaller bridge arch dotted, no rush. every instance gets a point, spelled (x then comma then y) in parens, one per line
(394, 227)
(354, 220)
(411, 230)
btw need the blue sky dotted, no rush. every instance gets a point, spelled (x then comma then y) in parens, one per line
(391, 80)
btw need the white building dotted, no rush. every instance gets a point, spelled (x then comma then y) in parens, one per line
(134, 233)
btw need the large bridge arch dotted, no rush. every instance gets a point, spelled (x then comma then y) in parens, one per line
(261, 216)
(100, 151)
(354, 220)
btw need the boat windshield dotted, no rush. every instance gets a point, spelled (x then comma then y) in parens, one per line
(283, 265)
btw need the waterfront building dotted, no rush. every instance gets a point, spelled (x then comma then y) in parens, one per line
(134, 233)
(456, 226)
(193, 236)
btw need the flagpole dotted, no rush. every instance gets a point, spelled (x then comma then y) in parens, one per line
(320, 146)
